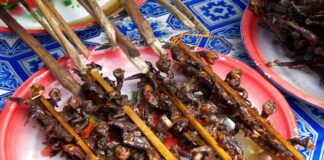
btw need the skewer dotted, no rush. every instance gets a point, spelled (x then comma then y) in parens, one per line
(128, 110)
(143, 26)
(103, 21)
(236, 96)
(186, 21)
(195, 123)
(68, 31)
(182, 7)
(59, 72)
(136, 119)
(40, 20)
(65, 125)
(71, 51)
(128, 48)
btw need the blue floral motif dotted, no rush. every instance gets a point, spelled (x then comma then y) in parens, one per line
(232, 32)
(153, 9)
(8, 78)
(218, 10)
(131, 31)
(45, 40)
(305, 130)
(221, 45)
(89, 33)
(157, 31)
(12, 47)
(316, 114)
(33, 64)
(175, 23)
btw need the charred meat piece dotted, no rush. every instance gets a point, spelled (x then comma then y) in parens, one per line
(135, 139)
(124, 124)
(89, 107)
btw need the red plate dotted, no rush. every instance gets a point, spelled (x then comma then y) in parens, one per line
(21, 142)
(71, 11)
(258, 42)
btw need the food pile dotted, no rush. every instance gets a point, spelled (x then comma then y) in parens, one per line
(98, 118)
(298, 27)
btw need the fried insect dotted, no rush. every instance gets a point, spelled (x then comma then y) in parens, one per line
(298, 27)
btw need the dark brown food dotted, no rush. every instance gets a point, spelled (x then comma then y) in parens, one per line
(298, 27)
(99, 119)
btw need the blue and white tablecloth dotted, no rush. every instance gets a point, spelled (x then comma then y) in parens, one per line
(222, 17)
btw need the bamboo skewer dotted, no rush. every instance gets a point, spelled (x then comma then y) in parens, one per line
(181, 6)
(148, 133)
(64, 124)
(195, 123)
(71, 51)
(40, 20)
(136, 119)
(131, 52)
(128, 48)
(186, 21)
(59, 72)
(103, 21)
(68, 128)
(128, 110)
(236, 96)
(143, 26)
(68, 31)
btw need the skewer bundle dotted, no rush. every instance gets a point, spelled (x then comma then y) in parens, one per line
(99, 93)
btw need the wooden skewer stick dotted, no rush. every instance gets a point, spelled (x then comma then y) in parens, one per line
(143, 26)
(40, 20)
(136, 119)
(128, 48)
(181, 6)
(69, 48)
(148, 133)
(131, 52)
(236, 96)
(103, 21)
(59, 72)
(68, 31)
(186, 21)
(195, 123)
(66, 126)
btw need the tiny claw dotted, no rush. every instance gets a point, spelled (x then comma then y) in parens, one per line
(135, 76)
